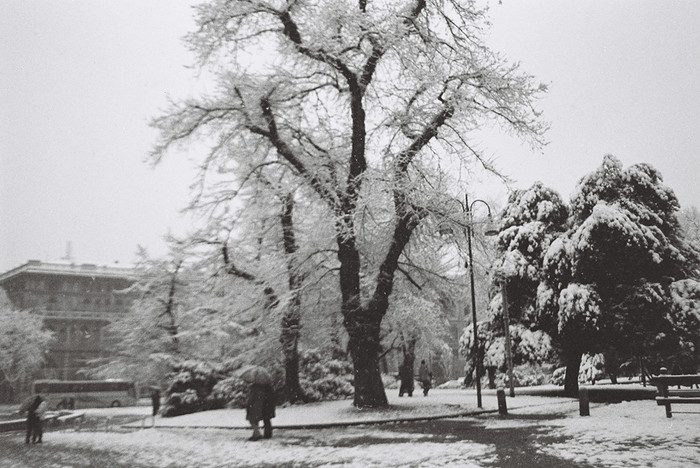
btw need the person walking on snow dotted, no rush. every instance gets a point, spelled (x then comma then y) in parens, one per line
(261, 406)
(39, 427)
(261, 400)
(155, 400)
(425, 377)
(35, 412)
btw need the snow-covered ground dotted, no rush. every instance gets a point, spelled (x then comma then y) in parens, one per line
(437, 403)
(548, 434)
(633, 433)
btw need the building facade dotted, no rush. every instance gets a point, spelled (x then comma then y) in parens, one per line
(76, 302)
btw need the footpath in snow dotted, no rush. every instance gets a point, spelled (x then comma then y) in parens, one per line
(438, 404)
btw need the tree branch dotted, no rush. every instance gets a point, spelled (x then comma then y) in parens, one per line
(405, 157)
(409, 278)
(284, 150)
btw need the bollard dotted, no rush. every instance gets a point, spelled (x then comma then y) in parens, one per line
(501, 396)
(583, 402)
(663, 388)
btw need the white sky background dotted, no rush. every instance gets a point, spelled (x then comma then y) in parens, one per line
(79, 81)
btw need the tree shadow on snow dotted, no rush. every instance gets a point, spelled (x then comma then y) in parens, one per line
(514, 447)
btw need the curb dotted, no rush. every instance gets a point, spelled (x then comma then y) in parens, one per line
(51, 421)
(334, 424)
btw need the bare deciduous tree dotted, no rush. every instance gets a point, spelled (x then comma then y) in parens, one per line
(357, 99)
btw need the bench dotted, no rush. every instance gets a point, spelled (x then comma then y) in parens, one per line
(666, 396)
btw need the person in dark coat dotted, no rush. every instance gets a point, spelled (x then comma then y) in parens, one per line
(155, 400)
(424, 377)
(40, 412)
(34, 430)
(406, 376)
(261, 406)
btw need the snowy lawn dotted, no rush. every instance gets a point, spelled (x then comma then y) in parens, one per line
(627, 434)
(633, 433)
(438, 403)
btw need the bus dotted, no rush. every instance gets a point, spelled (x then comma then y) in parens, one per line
(72, 394)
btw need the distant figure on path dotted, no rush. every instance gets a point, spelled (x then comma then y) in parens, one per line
(39, 428)
(155, 400)
(34, 413)
(406, 376)
(261, 406)
(261, 401)
(425, 377)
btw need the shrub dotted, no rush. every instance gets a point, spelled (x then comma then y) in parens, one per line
(389, 381)
(200, 386)
(559, 376)
(190, 389)
(590, 370)
(324, 379)
(526, 375)
(231, 392)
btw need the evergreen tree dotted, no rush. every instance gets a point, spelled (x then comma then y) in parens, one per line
(608, 281)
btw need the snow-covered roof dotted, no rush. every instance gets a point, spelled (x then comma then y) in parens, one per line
(70, 269)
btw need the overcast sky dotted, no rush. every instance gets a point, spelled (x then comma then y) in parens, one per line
(79, 81)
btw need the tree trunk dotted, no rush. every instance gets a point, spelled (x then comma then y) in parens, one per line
(361, 324)
(612, 366)
(573, 362)
(171, 327)
(364, 350)
(289, 338)
(491, 371)
(406, 371)
(291, 319)
(336, 346)
(292, 389)
(369, 388)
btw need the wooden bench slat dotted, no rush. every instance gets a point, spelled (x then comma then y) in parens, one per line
(675, 400)
(666, 396)
(684, 380)
(684, 393)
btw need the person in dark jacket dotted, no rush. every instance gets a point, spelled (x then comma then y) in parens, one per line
(155, 400)
(40, 413)
(261, 406)
(406, 376)
(424, 377)
(34, 430)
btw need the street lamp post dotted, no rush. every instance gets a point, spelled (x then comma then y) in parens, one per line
(506, 325)
(489, 232)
